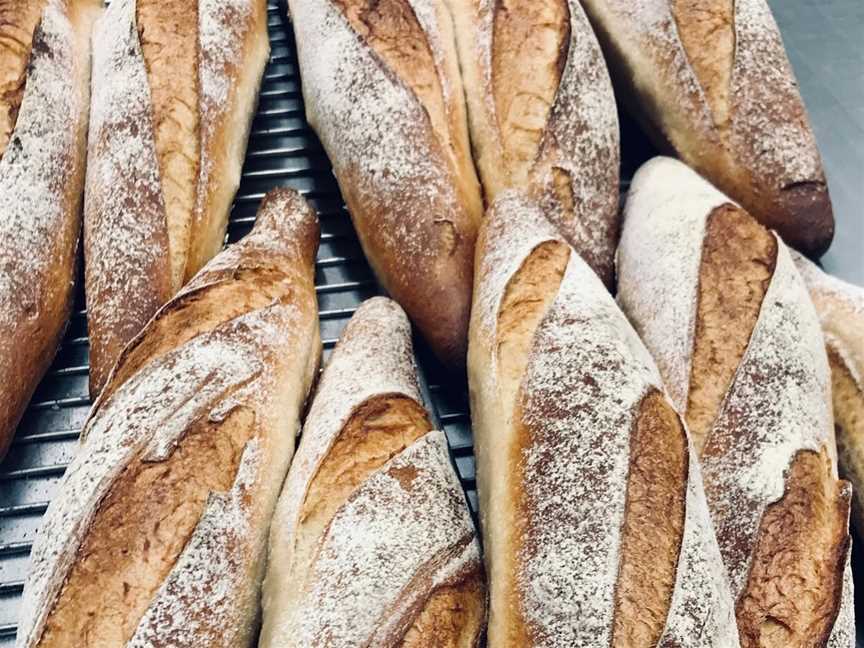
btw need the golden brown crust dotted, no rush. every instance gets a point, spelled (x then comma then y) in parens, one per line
(432, 286)
(168, 32)
(452, 617)
(653, 525)
(252, 284)
(531, 43)
(706, 29)
(390, 27)
(526, 299)
(711, 81)
(378, 430)
(849, 423)
(226, 107)
(794, 587)
(38, 288)
(392, 30)
(737, 264)
(153, 498)
(18, 19)
(138, 533)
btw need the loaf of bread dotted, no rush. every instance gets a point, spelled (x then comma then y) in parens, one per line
(372, 543)
(44, 98)
(840, 306)
(175, 87)
(158, 534)
(542, 115)
(710, 81)
(596, 529)
(382, 89)
(719, 303)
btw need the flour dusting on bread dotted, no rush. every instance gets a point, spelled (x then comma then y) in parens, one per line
(36, 171)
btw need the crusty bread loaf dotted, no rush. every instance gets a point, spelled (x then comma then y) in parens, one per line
(711, 81)
(44, 120)
(372, 543)
(584, 468)
(840, 306)
(542, 114)
(725, 313)
(158, 534)
(382, 89)
(175, 87)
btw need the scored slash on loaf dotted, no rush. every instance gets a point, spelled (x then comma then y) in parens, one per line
(175, 88)
(718, 301)
(584, 468)
(158, 534)
(542, 115)
(710, 80)
(372, 543)
(43, 128)
(840, 306)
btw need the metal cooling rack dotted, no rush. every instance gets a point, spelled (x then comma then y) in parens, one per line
(282, 151)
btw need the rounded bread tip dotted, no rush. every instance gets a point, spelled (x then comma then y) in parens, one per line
(805, 217)
(380, 307)
(286, 216)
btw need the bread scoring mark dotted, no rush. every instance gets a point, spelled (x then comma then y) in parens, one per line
(358, 593)
(378, 430)
(738, 258)
(393, 31)
(127, 271)
(232, 48)
(138, 532)
(168, 33)
(653, 524)
(659, 261)
(777, 405)
(530, 43)
(365, 424)
(574, 363)
(792, 595)
(527, 297)
(451, 617)
(707, 32)
(18, 20)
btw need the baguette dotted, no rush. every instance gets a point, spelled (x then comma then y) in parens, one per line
(43, 118)
(711, 81)
(840, 306)
(175, 87)
(542, 115)
(158, 536)
(382, 90)
(584, 468)
(718, 301)
(372, 543)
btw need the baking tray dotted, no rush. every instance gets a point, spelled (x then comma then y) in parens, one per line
(282, 151)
